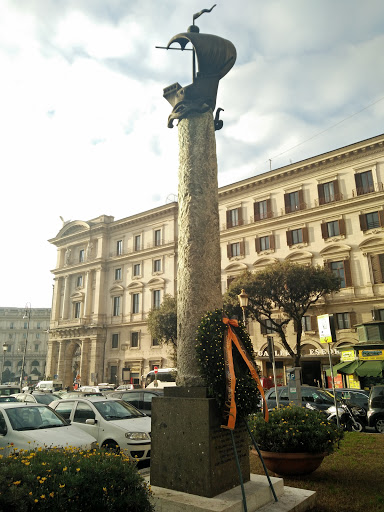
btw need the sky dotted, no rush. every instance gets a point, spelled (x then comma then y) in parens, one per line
(83, 121)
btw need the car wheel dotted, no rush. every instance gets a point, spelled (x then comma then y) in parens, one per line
(111, 446)
(379, 425)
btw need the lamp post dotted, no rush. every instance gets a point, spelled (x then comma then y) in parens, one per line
(243, 300)
(5, 348)
(27, 315)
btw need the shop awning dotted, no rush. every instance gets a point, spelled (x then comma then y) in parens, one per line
(350, 368)
(370, 368)
(337, 367)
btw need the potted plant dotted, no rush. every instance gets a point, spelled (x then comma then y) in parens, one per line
(295, 440)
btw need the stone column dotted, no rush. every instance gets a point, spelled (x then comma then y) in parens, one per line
(199, 265)
(61, 362)
(65, 304)
(84, 362)
(55, 317)
(88, 294)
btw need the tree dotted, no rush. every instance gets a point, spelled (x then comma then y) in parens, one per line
(282, 293)
(162, 323)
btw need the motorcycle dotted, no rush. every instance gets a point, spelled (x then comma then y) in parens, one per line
(352, 418)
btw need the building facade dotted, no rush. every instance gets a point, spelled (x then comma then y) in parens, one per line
(21, 329)
(326, 210)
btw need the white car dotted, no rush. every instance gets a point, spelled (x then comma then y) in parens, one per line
(29, 426)
(115, 424)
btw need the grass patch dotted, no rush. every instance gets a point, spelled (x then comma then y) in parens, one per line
(348, 480)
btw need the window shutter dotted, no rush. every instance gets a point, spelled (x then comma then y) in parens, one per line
(358, 184)
(286, 203)
(377, 269)
(301, 200)
(347, 272)
(269, 208)
(375, 314)
(257, 245)
(381, 217)
(256, 211)
(324, 230)
(320, 191)
(342, 229)
(314, 323)
(263, 329)
(240, 216)
(352, 319)
(305, 235)
(229, 221)
(336, 190)
(335, 321)
(363, 222)
(229, 251)
(242, 248)
(289, 238)
(272, 242)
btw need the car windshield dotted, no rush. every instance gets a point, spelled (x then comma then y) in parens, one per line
(45, 398)
(33, 418)
(117, 410)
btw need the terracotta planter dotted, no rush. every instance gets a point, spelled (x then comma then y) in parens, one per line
(286, 464)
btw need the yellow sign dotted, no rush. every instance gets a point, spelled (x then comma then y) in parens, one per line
(324, 329)
(371, 354)
(353, 381)
(347, 355)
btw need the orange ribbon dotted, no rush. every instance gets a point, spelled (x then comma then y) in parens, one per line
(230, 376)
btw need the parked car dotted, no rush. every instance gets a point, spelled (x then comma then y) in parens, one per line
(6, 389)
(124, 387)
(309, 394)
(115, 424)
(103, 389)
(78, 394)
(376, 408)
(29, 426)
(141, 399)
(36, 397)
(5, 398)
(352, 396)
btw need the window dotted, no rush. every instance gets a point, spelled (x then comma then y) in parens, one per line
(36, 347)
(343, 321)
(294, 201)
(83, 413)
(333, 228)
(37, 335)
(157, 235)
(155, 342)
(236, 249)
(25, 325)
(135, 302)
(116, 306)
(134, 340)
(380, 313)
(264, 243)
(234, 217)
(157, 266)
(38, 325)
(306, 323)
(136, 269)
(137, 243)
(328, 192)
(115, 340)
(77, 308)
(79, 281)
(267, 328)
(364, 183)
(297, 236)
(156, 299)
(377, 265)
(119, 247)
(11, 325)
(81, 256)
(117, 274)
(10, 336)
(371, 220)
(262, 209)
(342, 269)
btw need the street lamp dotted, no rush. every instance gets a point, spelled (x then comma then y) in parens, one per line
(243, 300)
(5, 348)
(27, 314)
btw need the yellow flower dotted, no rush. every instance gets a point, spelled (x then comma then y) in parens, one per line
(77, 469)
(42, 496)
(52, 494)
(18, 482)
(65, 469)
(36, 501)
(61, 486)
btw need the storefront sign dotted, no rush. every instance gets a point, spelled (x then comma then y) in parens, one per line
(371, 354)
(322, 351)
(347, 355)
(353, 381)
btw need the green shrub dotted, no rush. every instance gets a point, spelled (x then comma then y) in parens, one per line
(295, 429)
(71, 479)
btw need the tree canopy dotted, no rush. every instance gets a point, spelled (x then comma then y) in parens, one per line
(281, 293)
(162, 323)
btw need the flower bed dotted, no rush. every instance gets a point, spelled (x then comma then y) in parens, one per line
(71, 479)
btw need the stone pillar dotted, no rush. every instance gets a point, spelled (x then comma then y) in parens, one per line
(199, 265)
(88, 294)
(65, 304)
(55, 316)
(61, 362)
(84, 362)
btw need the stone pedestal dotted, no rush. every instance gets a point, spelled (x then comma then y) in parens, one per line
(192, 453)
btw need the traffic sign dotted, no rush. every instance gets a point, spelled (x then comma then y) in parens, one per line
(155, 369)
